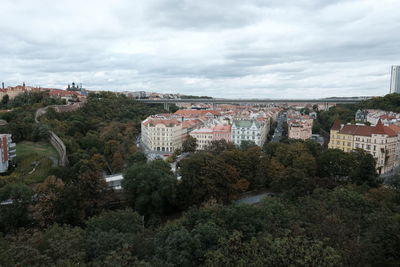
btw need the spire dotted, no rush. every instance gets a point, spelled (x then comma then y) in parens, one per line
(379, 127)
(336, 125)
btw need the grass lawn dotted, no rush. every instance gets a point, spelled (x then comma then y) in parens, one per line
(26, 148)
(30, 154)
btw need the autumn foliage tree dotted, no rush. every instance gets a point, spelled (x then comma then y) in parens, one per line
(46, 210)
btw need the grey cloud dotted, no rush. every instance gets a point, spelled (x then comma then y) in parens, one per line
(302, 48)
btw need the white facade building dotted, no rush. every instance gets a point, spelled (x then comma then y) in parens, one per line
(162, 134)
(7, 151)
(250, 130)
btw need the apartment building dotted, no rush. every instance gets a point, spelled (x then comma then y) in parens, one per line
(166, 132)
(299, 126)
(341, 137)
(396, 129)
(300, 129)
(162, 134)
(206, 135)
(7, 151)
(381, 141)
(254, 130)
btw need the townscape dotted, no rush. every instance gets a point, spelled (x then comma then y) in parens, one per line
(74, 160)
(199, 133)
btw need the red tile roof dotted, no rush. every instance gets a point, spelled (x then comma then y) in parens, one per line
(395, 128)
(161, 121)
(195, 112)
(59, 92)
(364, 130)
(336, 125)
(379, 127)
(223, 128)
(191, 123)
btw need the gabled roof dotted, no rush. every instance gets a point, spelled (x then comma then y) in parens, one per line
(395, 128)
(195, 112)
(336, 125)
(379, 128)
(191, 123)
(364, 130)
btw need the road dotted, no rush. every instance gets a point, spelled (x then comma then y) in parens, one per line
(276, 137)
(252, 199)
(342, 100)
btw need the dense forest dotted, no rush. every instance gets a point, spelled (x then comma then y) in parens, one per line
(20, 115)
(104, 129)
(324, 207)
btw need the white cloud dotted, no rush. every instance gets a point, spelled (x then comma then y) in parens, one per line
(302, 48)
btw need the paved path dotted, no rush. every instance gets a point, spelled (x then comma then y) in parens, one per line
(55, 141)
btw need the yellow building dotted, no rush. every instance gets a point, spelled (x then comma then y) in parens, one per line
(380, 141)
(343, 140)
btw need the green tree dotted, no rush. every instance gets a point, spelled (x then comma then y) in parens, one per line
(296, 155)
(137, 158)
(245, 145)
(14, 211)
(5, 100)
(336, 165)
(206, 176)
(393, 181)
(218, 146)
(189, 145)
(268, 251)
(46, 210)
(150, 190)
(56, 246)
(62, 244)
(177, 247)
(364, 171)
(294, 183)
(84, 195)
(114, 230)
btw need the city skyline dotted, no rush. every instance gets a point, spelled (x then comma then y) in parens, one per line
(215, 48)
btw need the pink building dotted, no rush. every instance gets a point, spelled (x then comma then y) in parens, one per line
(206, 135)
(300, 129)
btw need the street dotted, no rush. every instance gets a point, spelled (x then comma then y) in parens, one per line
(276, 137)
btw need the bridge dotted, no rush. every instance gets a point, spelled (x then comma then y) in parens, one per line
(325, 101)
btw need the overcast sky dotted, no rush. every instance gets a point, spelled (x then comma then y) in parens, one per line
(220, 48)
